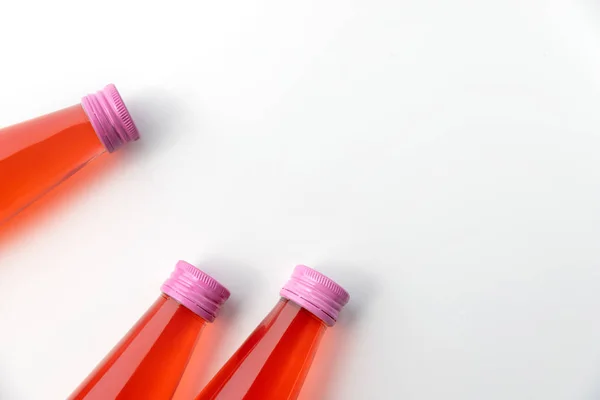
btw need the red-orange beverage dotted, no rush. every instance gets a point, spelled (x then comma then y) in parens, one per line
(273, 362)
(39, 154)
(149, 361)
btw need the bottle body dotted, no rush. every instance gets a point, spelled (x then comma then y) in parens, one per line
(39, 154)
(274, 360)
(150, 359)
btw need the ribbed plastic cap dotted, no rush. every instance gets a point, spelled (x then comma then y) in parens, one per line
(195, 290)
(109, 117)
(316, 293)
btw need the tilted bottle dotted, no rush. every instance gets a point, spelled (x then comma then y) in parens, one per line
(39, 154)
(149, 361)
(273, 362)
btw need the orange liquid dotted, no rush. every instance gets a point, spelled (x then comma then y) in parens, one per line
(273, 362)
(149, 361)
(37, 155)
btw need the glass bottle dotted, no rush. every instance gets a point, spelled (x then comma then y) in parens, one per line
(274, 361)
(149, 361)
(39, 154)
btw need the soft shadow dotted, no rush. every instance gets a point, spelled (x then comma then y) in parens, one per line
(594, 392)
(333, 350)
(6, 391)
(58, 198)
(240, 280)
(157, 114)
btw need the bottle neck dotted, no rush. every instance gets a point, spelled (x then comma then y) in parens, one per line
(150, 360)
(274, 360)
(39, 154)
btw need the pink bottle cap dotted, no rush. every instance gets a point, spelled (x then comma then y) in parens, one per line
(110, 118)
(316, 293)
(195, 290)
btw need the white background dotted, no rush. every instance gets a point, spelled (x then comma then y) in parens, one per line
(440, 159)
